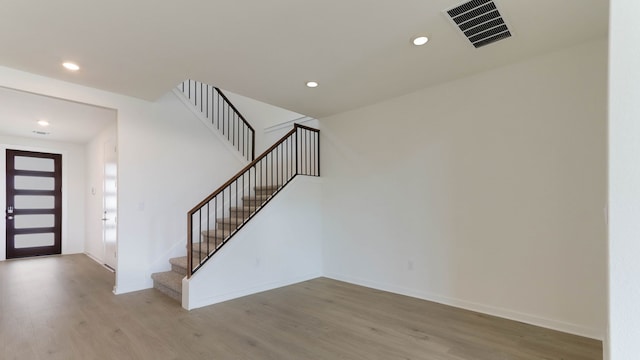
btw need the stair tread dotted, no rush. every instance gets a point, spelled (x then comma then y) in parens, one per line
(256, 197)
(217, 232)
(170, 279)
(182, 261)
(239, 218)
(267, 187)
(246, 207)
(203, 249)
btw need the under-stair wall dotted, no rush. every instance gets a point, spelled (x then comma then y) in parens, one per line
(281, 245)
(182, 140)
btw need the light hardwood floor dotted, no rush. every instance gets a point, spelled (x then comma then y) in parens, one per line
(63, 308)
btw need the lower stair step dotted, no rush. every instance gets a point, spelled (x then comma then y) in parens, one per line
(200, 251)
(169, 283)
(254, 200)
(266, 190)
(243, 211)
(217, 234)
(179, 265)
(230, 221)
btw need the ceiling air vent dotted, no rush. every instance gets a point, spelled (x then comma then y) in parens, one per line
(480, 22)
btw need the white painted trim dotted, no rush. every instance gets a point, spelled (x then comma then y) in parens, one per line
(99, 262)
(180, 95)
(287, 124)
(481, 308)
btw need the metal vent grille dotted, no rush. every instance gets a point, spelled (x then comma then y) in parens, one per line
(480, 21)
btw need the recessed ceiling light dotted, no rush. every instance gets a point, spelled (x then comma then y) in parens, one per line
(312, 84)
(43, 123)
(420, 40)
(71, 66)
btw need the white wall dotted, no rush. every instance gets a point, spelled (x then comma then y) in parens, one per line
(261, 116)
(180, 162)
(73, 180)
(280, 246)
(276, 132)
(93, 242)
(164, 169)
(624, 181)
(485, 193)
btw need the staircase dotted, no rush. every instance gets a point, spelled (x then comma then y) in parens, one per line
(215, 107)
(170, 282)
(215, 220)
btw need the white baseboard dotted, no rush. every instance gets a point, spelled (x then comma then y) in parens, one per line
(142, 283)
(472, 306)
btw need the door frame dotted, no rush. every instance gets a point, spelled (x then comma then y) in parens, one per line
(56, 248)
(3, 193)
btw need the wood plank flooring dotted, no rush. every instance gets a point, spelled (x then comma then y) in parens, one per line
(62, 308)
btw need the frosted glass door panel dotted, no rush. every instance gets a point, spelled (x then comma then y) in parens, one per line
(34, 183)
(34, 221)
(33, 240)
(34, 202)
(33, 163)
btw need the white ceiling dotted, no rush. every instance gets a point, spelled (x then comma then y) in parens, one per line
(68, 121)
(358, 50)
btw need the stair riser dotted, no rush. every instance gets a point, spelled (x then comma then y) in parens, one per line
(179, 269)
(203, 249)
(254, 198)
(217, 235)
(253, 202)
(231, 221)
(211, 240)
(243, 214)
(227, 225)
(240, 214)
(265, 192)
(167, 291)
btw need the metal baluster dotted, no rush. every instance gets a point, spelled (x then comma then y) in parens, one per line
(222, 235)
(313, 153)
(215, 232)
(281, 164)
(306, 150)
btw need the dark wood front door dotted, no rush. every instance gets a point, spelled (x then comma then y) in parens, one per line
(34, 204)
